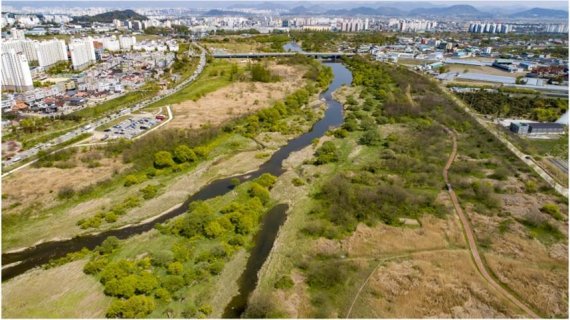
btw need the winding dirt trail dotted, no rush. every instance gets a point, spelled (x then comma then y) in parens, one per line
(471, 237)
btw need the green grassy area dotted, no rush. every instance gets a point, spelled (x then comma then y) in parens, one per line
(556, 147)
(215, 76)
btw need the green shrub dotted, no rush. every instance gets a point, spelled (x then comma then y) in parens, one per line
(285, 282)
(110, 217)
(267, 180)
(183, 153)
(326, 153)
(135, 307)
(175, 268)
(131, 180)
(163, 159)
(553, 210)
(258, 191)
(297, 182)
(149, 191)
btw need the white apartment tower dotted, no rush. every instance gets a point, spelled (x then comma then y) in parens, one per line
(127, 42)
(16, 73)
(82, 53)
(27, 47)
(51, 52)
(17, 34)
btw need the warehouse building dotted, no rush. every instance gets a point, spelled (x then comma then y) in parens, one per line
(537, 128)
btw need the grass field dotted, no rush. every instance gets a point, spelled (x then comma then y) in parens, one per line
(40, 294)
(212, 78)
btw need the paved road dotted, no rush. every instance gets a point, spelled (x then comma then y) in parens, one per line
(471, 237)
(104, 120)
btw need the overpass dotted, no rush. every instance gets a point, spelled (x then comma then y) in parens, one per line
(320, 55)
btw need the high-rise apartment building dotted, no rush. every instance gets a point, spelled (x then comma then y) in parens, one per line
(127, 42)
(16, 73)
(27, 47)
(17, 34)
(51, 52)
(82, 53)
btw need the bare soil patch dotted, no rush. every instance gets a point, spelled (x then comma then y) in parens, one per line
(237, 99)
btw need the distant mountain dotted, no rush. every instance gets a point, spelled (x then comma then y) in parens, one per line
(108, 17)
(260, 6)
(541, 13)
(302, 10)
(367, 11)
(453, 11)
(217, 13)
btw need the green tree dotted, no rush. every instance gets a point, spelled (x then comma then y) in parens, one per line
(370, 137)
(135, 307)
(326, 153)
(257, 190)
(175, 268)
(183, 153)
(163, 159)
(214, 229)
(267, 180)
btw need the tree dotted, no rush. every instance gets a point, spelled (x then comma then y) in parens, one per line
(257, 190)
(213, 229)
(326, 153)
(267, 180)
(108, 245)
(121, 288)
(370, 137)
(145, 283)
(163, 159)
(175, 268)
(183, 153)
(135, 307)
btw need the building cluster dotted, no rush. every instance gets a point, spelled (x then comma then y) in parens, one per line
(407, 25)
(32, 20)
(111, 77)
(478, 27)
(556, 28)
(22, 58)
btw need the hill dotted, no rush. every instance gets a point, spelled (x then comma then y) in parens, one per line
(108, 17)
(367, 11)
(457, 10)
(541, 13)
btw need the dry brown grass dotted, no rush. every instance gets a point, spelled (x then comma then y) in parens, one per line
(441, 284)
(41, 185)
(237, 99)
(40, 294)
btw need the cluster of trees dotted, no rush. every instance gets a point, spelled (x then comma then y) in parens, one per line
(316, 41)
(61, 67)
(140, 285)
(113, 214)
(240, 218)
(504, 105)
(260, 73)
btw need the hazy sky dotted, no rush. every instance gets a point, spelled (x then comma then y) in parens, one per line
(478, 3)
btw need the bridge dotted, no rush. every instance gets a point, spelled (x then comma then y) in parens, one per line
(319, 55)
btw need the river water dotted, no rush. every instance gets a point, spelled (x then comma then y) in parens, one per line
(25, 260)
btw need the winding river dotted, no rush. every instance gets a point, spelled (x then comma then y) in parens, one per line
(16, 263)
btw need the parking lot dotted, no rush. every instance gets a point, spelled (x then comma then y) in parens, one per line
(130, 128)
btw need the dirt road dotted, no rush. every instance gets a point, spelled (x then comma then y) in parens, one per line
(471, 237)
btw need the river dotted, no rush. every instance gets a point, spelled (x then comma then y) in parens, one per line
(25, 260)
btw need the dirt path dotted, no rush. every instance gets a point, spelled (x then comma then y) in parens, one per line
(471, 237)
